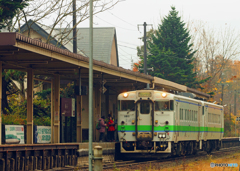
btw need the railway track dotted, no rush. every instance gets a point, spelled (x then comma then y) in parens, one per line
(119, 164)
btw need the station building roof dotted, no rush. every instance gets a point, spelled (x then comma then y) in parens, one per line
(20, 52)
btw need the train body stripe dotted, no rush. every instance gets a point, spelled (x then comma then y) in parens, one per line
(169, 128)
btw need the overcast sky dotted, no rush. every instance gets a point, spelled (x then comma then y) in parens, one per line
(127, 15)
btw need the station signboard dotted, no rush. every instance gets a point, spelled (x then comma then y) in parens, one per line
(68, 107)
(14, 134)
(42, 134)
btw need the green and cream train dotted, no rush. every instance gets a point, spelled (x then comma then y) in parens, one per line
(157, 122)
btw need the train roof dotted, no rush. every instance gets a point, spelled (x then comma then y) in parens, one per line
(182, 97)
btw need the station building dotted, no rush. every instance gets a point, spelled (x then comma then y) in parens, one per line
(37, 56)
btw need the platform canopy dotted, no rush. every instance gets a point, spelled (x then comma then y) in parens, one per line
(20, 53)
(166, 85)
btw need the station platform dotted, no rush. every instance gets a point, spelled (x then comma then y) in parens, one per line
(107, 147)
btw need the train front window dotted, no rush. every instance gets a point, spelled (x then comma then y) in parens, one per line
(127, 105)
(145, 107)
(166, 105)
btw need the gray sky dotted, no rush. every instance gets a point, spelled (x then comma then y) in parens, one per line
(127, 15)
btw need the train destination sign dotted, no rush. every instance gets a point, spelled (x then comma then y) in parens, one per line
(144, 94)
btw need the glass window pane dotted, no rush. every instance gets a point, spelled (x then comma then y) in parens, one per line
(127, 105)
(164, 105)
(145, 107)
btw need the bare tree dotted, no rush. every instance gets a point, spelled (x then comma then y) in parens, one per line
(58, 13)
(214, 49)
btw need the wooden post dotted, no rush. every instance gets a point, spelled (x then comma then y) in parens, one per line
(29, 106)
(97, 110)
(79, 119)
(0, 102)
(56, 132)
(52, 110)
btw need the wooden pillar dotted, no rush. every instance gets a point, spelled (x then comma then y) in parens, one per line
(97, 109)
(29, 106)
(79, 119)
(0, 102)
(56, 131)
(52, 110)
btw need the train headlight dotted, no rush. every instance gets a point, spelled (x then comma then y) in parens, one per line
(161, 135)
(133, 121)
(125, 95)
(156, 121)
(164, 95)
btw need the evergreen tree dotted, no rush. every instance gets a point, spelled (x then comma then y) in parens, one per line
(8, 9)
(170, 51)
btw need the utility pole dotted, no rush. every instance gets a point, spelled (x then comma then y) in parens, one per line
(90, 155)
(74, 51)
(145, 48)
(222, 94)
(230, 105)
(223, 84)
(74, 28)
(235, 101)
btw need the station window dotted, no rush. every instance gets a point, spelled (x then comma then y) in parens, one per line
(126, 105)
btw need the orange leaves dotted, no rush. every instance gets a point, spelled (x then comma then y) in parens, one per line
(233, 77)
(136, 65)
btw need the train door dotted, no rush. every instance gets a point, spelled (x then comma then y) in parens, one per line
(198, 121)
(177, 122)
(205, 122)
(144, 120)
(202, 120)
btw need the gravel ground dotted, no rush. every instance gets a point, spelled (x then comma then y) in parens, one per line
(178, 163)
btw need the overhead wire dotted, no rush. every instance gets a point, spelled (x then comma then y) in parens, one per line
(127, 47)
(127, 43)
(122, 19)
(115, 25)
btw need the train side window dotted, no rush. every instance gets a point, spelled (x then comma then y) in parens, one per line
(190, 115)
(185, 114)
(193, 115)
(119, 105)
(171, 105)
(166, 105)
(202, 110)
(181, 114)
